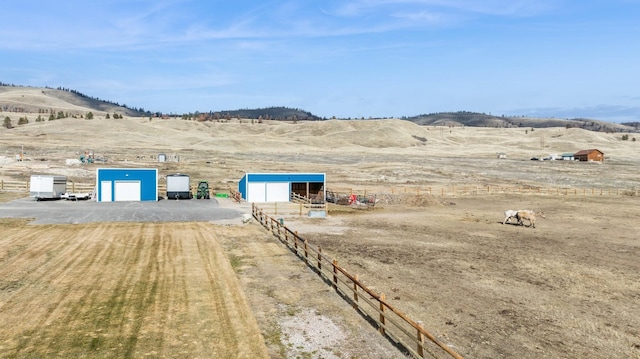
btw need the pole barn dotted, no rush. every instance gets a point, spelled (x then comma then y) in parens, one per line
(277, 187)
(126, 184)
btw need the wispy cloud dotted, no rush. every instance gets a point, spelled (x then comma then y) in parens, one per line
(490, 7)
(615, 113)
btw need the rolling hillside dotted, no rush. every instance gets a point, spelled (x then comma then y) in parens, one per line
(474, 119)
(19, 99)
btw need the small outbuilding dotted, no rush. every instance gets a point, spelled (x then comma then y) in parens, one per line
(47, 186)
(568, 157)
(126, 184)
(589, 155)
(277, 187)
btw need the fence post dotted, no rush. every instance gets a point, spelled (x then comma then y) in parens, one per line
(306, 251)
(420, 338)
(300, 209)
(382, 319)
(295, 241)
(275, 207)
(355, 291)
(319, 259)
(335, 273)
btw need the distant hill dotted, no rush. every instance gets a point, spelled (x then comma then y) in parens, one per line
(474, 119)
(44, 100)
(48, 100)
(267, 113)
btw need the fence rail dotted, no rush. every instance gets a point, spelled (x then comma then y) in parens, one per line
(451, 191)
(441, 191)
(291, 208)
(390, 321)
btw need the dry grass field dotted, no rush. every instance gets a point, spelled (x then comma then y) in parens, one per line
(568, 288)
(121, 290)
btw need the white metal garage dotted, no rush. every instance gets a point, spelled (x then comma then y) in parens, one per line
(126, 184)
(277, 187)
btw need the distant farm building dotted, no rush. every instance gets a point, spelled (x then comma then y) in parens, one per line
(277, 187)
(501, 155)
(568, 156)
(589, 155)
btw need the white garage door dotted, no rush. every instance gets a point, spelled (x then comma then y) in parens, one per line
(260, 192)
(257, 192)
(278, 192)
(105, 191)
(127, 191)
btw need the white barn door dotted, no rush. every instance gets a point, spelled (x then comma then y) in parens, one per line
(278, 192)
(257, 192)
(127, 191)
(105, 191)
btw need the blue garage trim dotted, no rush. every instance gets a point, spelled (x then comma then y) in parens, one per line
(243, 185)
(285, 177)
(148, 178)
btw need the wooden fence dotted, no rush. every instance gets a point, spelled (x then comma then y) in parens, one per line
(390, 321)
(452, 191)
(291, 208)
(73, 187)
(23, 186)
(443, 191)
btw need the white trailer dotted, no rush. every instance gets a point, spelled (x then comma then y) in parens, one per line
(47, 186)
(178, 187)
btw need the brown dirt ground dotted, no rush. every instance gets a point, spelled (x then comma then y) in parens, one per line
(568, 288)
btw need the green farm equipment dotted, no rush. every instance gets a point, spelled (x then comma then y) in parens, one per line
(203, 190)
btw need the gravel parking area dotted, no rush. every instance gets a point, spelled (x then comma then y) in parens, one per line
(72, 212)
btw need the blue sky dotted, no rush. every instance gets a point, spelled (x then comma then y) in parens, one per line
(352, 58)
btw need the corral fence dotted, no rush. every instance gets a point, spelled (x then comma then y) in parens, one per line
(349, 197)
(390, 321)
(23, 186)
(292, 208)
(74, 187)
(453, 191)
(368, 196)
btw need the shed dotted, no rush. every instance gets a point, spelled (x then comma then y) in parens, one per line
(589, 155)
(47, 186)
(126, 184)
(277, 187)
(568, 156)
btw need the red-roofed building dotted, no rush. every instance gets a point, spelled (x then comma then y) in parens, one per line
(589, 155)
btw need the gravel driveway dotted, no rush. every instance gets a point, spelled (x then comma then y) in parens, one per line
(63, 211)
